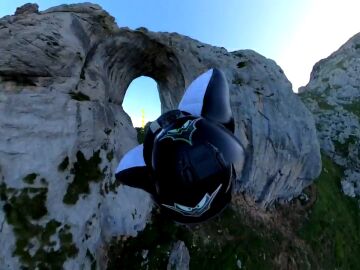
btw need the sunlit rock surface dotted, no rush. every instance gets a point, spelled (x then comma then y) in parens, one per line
(333, 95)
(63, 76)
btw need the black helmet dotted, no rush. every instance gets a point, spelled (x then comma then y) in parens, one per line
(190, 157)
(193, 163)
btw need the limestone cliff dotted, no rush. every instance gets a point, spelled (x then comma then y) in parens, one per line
(333, 95)
(63, 76)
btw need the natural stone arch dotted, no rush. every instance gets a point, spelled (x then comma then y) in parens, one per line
(142, 101)
(132, 54)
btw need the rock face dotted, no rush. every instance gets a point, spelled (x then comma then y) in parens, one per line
(179, 257)
(27, 9)
(63, 76)
(333, 95)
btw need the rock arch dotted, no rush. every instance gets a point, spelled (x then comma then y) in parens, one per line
(129, 55)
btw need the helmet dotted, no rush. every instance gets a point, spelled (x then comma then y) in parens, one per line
(190, 156)
(193, 163)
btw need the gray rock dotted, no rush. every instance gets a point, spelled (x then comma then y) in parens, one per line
(63, 76)
(44, 120)
(351, 182)
(238, 264)
(348, 188)
(179, 257)
(27, 9)
(333, 96)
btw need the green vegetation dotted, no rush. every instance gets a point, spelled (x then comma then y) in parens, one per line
(79, 96)
(141, 131)
(140, 134)
(216, 244)
(107, 131)
(110, 155)
(353, 107)
(321, 101)
(324, 105)
(26, 203)
(311, 94)
(84, 171)
(105, 146)
(64, 164)
(219, 243)
(343, 148)
(157, 238)
(142, 29)
(106, 22)
(238, 54)
(30, 178)
(92, 259)
(322, 233)
(238, 81)
(242, 64)
(35, 244)
(333, 226)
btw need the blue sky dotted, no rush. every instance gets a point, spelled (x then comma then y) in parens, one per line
(296, 34)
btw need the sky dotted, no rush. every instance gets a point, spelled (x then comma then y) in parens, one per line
(296, 34)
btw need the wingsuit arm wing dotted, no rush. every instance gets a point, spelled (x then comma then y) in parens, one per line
(132, 170)
(208, 96)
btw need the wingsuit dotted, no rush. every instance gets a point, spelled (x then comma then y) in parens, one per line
(190, 157)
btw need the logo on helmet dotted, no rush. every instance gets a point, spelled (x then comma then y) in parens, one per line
(183, 133)
(199, 209)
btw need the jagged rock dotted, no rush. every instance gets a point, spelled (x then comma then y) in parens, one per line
(238, 264)
(351, 182)
(348, 188)
(179, 257)
(45, 122)
(333, 95)
(27, 9)
(63, 76)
